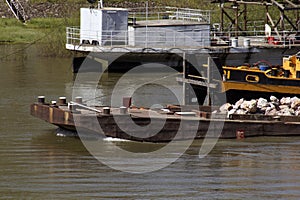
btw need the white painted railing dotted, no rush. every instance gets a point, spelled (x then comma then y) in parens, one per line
(162, 13)
(172, 39)
(146, 38)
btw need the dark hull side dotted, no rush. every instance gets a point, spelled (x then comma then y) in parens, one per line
(254, 84)
(122, 62)
(251, 84)
(196, 128)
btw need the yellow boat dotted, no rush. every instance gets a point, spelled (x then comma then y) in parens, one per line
(262, 79)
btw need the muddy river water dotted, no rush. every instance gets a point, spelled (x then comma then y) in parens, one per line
(35, 163)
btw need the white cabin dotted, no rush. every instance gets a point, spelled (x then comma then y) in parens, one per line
(98, 26)
(168, 27)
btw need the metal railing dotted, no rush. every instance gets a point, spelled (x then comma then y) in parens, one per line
(258, 38)
(145, 38)
(163, 13)
(168, 38)
(171, 39)
(73, 35)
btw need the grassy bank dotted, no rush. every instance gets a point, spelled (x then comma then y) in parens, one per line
(50, 33)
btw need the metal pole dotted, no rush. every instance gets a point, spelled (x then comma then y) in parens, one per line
(208, 80)
(222, 17)
(183, 78)
(236, 21)
(146, 24)
(245, 17)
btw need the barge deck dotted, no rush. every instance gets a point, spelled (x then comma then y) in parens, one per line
(146, 125)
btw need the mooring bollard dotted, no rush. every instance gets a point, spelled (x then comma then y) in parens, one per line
(123, 110)
(106, 110)
(72, 107)
(78, 100)
(62, 101)
(41, 99)
(53, 103)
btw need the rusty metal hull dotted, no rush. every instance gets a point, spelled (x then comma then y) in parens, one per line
(193, 127)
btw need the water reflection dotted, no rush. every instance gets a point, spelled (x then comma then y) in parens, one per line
(146, 89)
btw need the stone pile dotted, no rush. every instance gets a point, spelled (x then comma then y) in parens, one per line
(285, 106)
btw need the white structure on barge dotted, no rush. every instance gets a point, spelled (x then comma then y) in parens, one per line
(103, 29)
(139, 35)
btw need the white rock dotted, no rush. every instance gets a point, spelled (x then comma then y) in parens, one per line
(262, 103)
(274, 99)
(284, 107)
(297, 112)
(241, 112)
(286, 112)
(232, 111)
(253, 106)
(295, 103)
(225, 108)
(271, 105)
(285, 101)
(270, 111)
(245, 105)
(238, 103)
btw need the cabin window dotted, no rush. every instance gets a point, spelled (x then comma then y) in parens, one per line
(252, 78)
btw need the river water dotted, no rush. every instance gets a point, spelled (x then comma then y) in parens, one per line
(37, 164)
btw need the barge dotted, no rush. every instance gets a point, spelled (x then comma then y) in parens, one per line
(162, 125)
(120, 39)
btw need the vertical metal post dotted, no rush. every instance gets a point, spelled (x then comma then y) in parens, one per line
(297, 22)
(245, 17)
(174, 39)
(183, 78)
(282, 19)
(208, 80)
(267, 12)
(222, 17)
(236, 21)
(146, 24)
(111, 38)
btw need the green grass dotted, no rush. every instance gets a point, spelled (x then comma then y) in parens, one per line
(50, 33)
(12, 31)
